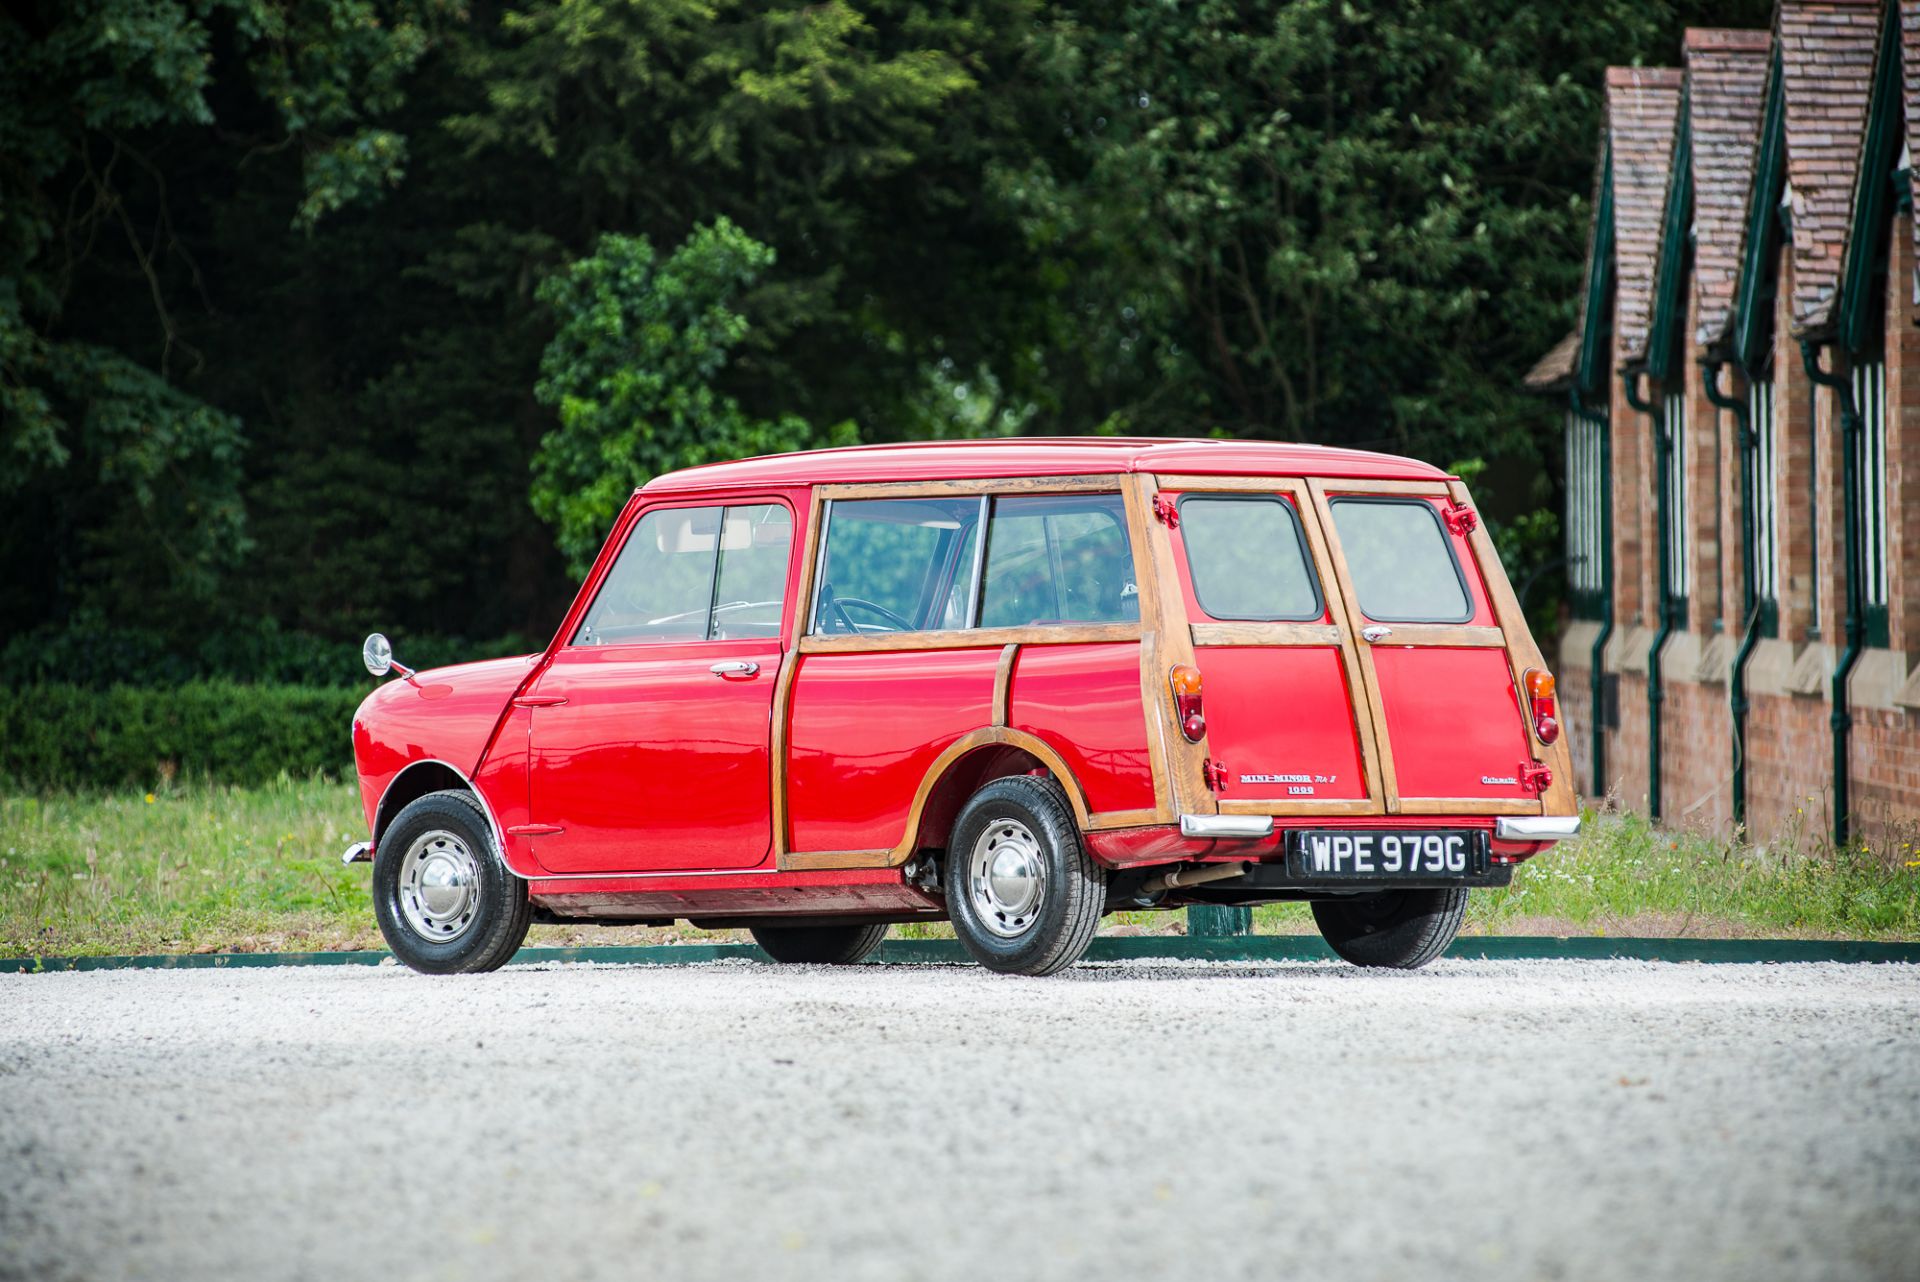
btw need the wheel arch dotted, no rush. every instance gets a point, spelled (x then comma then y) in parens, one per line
(416, 781)
(971, 762)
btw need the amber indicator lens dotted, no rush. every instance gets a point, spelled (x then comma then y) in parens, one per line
(1187, 709)
(1540, 695)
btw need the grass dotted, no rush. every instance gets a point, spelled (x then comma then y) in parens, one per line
(197, 867)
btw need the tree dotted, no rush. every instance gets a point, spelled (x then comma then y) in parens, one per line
(631, 372)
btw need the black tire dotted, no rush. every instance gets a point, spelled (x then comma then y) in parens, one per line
(819, 945)
(1072, 891)
(495, 920)
(1404, 929)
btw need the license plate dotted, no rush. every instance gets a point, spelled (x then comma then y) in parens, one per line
(1386, 853)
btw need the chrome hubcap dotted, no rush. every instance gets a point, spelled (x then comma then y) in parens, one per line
(439, 886)
(1006, 877)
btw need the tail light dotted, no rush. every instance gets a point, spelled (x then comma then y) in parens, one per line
(1186, 702)
(1540, 696)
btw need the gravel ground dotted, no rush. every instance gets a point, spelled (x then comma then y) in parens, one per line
(1573, 1120)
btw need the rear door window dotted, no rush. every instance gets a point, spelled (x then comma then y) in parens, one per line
(1401, 561)
(1058, 559)
(1248, 558)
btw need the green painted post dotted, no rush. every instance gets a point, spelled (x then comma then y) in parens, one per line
(1215, 921)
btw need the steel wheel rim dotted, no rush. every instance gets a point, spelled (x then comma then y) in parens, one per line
(1006, 878)
(439, 889)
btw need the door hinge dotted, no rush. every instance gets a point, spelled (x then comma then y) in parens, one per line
(1215, 773)
(1166, 511)
(1535, 777)
(1462, 520)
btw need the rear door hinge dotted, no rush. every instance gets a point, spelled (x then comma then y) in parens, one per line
(1535, 777)
(1215, 773)
(1461, 520)
(1166, 511)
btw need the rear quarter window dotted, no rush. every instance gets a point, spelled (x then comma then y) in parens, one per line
(1401, 561)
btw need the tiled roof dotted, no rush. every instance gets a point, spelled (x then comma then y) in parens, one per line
(1726, 96)
(1554, 371)
(1910, 79)
(1826, 61)
(1642, 105)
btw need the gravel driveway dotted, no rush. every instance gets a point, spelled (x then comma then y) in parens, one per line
(1574, 1120)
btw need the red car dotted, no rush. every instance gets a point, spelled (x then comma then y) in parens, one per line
(1014, 685)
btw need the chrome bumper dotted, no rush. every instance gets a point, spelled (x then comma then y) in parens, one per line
(1242, 826)
(360, 852)
(1536, 828)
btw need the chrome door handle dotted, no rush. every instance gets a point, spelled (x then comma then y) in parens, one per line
(735, 668)
(1377, 633)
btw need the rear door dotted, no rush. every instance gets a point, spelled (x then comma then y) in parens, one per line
(1438, 679)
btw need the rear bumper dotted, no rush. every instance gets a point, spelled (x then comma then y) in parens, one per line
(1535, 827)
(1240, 827)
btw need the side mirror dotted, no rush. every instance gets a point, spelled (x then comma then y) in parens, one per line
(377, 654)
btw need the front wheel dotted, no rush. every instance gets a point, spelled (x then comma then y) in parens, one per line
(1023, 896)
(446, 902)
(818, 945)
(1404, 929)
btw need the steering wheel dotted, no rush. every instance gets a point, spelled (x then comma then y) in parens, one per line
(840, 604)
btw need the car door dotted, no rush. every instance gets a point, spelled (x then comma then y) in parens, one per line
(650, 727)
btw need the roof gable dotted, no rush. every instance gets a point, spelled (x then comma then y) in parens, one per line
(1826, 62)
(1643, 104)
(1726, 92)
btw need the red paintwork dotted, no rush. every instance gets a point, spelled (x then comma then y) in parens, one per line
(445, 714)
(1083, 701)
(865, 729)
(658, 775)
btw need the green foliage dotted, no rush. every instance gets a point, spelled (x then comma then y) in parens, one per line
(68, 736)
(631, 370)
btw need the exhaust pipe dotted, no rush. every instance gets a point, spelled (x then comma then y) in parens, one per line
(1197, 875)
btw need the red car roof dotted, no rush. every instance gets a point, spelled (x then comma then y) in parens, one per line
(1044, 456)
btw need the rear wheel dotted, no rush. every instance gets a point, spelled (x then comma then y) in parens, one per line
(819, 945)
(446, 902)
(1024, 897)
(1404, 929)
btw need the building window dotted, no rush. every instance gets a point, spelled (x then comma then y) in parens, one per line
(1764, 465)
(1586, 528)
(1870, 398)
(1673, 430)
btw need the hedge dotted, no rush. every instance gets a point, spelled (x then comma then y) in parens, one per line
(68, 736)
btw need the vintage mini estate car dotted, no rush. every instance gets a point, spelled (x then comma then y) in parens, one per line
(1014, 685)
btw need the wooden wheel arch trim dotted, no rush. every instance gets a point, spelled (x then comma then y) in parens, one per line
(985, 737)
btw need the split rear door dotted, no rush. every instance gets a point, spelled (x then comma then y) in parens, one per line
(1359, 647)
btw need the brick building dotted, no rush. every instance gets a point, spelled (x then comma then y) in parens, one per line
(1742, 393)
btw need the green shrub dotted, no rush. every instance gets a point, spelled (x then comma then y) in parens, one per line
(68, 736)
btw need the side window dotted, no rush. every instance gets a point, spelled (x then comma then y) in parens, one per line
(1401, 561)
(896, 565)
(695, 574)
(1248, 558)
(750, 595)
(659, 590)
(1058, 559)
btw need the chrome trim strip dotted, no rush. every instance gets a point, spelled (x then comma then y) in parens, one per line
(1536, 827)
(360, 852)
(1226, 825)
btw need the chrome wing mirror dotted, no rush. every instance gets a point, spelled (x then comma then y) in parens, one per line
(377, 654)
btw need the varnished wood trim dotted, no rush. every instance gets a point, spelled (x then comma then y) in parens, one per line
(1306, 806)
(1319, 634)
(982, 738)
(802, 593)
(1179, 779)
(1003, 684)
(1444, 634)
(969, 638)
(1123, 819)
(1468, 806)
(1187, 484)
(1370, 722)
(972, 487)
(1523, 652)
(1339, 488)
